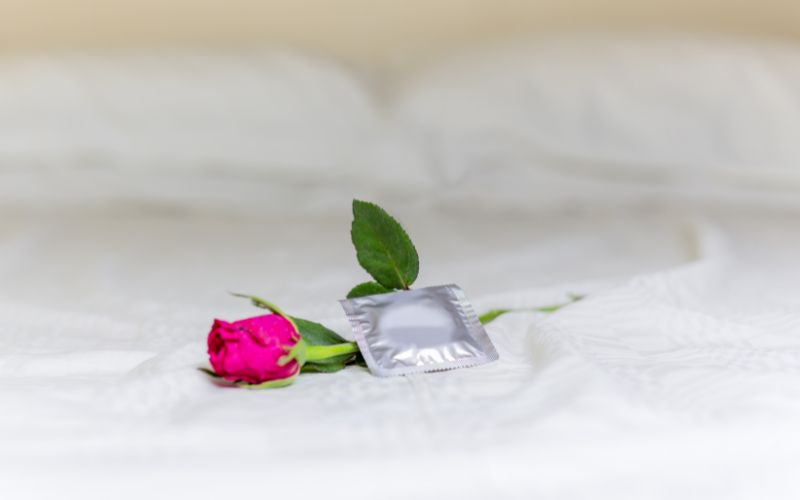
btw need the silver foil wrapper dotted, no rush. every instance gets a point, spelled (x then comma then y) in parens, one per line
(415, 331)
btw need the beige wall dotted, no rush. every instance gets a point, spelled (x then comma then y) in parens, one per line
(366, 30)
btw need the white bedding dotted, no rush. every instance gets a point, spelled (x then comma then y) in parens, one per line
(679, 382)
(677, 377)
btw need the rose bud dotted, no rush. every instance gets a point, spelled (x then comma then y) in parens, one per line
(256, 350)
(268, 351)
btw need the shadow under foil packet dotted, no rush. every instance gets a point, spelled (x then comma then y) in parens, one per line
(416, 331)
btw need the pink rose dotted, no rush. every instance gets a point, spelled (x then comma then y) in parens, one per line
(254, 350)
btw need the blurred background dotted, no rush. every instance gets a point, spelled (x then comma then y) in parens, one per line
(535, 123)
(368, 32)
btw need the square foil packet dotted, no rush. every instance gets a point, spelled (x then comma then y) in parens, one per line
(416, 331)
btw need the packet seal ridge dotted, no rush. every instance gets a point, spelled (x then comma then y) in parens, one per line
(361, 339)
(474, 326)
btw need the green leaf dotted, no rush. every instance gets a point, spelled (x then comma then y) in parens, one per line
(334, 364)
(492, 315)
(316, 334)
(368, 288)
(383, 248)
(330, 365)
(323, 368)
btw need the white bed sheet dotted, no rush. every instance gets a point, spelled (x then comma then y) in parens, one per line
(676, 378)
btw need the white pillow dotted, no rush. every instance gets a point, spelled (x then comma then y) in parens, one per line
(271, 112)
(641, 107)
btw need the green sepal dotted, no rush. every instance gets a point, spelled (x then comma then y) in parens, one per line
(312, 332)
(209, 372)
(368, 288)
(265, 304)
(383, 247)
(298, 352)
(269, 384)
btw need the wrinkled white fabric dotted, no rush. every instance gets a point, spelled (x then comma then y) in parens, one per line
(681, 381)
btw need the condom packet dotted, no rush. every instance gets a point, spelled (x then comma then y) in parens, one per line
(417, 331)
